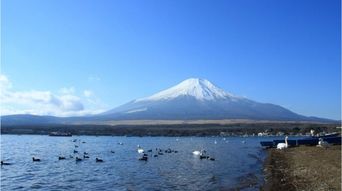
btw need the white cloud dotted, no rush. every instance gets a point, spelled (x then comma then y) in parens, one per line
(66, 103)
(87, 93)
(4, 83)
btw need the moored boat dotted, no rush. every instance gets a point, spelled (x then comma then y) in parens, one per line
(310, 141)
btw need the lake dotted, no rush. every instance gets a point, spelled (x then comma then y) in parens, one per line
(238, 163)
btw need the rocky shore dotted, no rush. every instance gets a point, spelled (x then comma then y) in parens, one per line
(303, 168)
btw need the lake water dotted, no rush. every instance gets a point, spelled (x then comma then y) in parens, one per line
(238, 165)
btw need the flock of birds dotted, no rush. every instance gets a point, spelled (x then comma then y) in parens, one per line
(203, 155)
(157, 152)
(78, 158)
(60, 157)
(144, 155)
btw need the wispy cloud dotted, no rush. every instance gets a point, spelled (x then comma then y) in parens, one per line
(65, 103)
(93, 78)
(67, 90)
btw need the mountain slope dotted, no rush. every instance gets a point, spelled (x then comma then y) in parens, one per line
(199, 99)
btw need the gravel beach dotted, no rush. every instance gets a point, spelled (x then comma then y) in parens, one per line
(303, 168)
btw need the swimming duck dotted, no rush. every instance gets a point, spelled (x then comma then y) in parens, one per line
(75, 151)
(85, 156)
(99, 160)
(78, 159)
(145, 158)
(5, 163)
(61, 158)
(204, 157)
(35, 159)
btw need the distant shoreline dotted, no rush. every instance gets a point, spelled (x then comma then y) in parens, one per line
(177, 129)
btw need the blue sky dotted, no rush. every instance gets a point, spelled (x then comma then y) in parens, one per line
(63, 57)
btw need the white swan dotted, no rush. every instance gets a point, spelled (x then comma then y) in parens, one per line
(322, 143)
(312, 132)
(201, 152)
(283, 145)
(140, 150)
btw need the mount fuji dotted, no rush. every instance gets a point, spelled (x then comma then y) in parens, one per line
(199, 99)
(192, 99)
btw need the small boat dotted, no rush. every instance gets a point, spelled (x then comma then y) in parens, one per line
(335, 134)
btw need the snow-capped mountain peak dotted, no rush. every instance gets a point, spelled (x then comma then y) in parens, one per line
(198, 99)
(200, 89)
